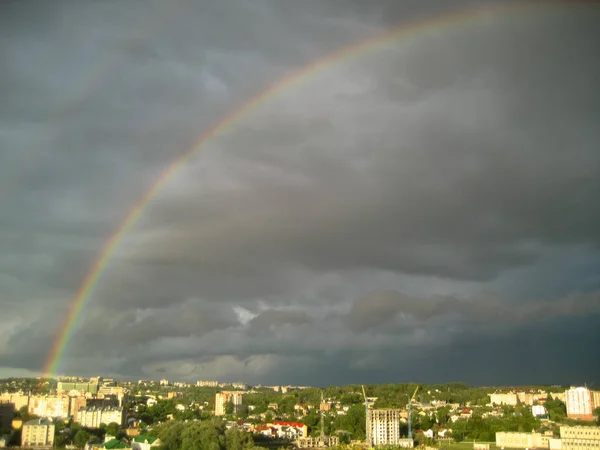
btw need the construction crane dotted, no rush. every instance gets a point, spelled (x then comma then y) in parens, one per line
(409, 407)
(367, 430)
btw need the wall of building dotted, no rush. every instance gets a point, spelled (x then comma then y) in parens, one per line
(38, 433)
(580, 438)
(384, 426)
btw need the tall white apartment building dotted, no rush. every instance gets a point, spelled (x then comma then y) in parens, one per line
(383, 427)
(222, 398)
(37, 433)
(93, 416)
(579, 403)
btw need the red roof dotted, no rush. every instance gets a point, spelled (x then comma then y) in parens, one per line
(290, 424)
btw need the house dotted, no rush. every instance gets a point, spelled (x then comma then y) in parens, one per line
(428, 433)
(112, 444)
(444, 432)
(289, 430)
(144, 442)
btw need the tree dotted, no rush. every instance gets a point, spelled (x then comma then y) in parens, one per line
(170, 435)
(202, 436)
(235, 439)
(112, 429)
(597, 414)
(81, 438)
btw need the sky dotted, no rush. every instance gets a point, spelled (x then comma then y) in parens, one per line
(425, 211)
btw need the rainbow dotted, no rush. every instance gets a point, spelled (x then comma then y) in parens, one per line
(443, 22)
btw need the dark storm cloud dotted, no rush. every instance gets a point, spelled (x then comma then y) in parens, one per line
(350, 223)
(379, 308)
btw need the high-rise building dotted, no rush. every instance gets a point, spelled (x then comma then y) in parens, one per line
(383, 427)
(222, 398)
(579, 403)
(38, 433)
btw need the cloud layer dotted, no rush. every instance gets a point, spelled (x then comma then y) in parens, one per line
(429, 200)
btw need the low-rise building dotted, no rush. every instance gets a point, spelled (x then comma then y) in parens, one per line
(521, 440)
(143, 442)
(509, 398)
(580, 438)
(318, 442)
(38, 433)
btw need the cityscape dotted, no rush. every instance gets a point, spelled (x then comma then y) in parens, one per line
(101, 413)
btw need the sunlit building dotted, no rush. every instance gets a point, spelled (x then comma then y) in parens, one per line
(223, 398)
(579, 403)
(383, 427)
(38, 433)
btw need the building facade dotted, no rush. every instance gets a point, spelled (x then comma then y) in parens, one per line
(520, 440)
(55, 406)
(383, 427)
(509, 398)
(580, 438)
(579, 403)
(223, 398)
(38, 433)
(93, 417)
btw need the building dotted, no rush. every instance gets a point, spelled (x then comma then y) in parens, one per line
(93, 416)
(112, 444)
(75, 404)
(596, 398)
(16, 399)
(579, 403)
(57, 406)
(38, 433)
(223, 398)
(383, 427)
(318, 442)
(580, 438)
(523, 440)
(143, 442)
(539, 411)
(204, 383)
(289, 430)
(90, 388)
(509, 398)
(7, 412)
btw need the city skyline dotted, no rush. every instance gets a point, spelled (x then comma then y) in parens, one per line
(422, 206)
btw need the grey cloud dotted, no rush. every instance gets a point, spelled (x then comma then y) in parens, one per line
(264, 322)
(383, 307)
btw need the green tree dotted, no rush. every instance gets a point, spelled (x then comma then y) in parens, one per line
(202, 436)
(235, 439)
(170, 434)
(113, 429)
(81, 438)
